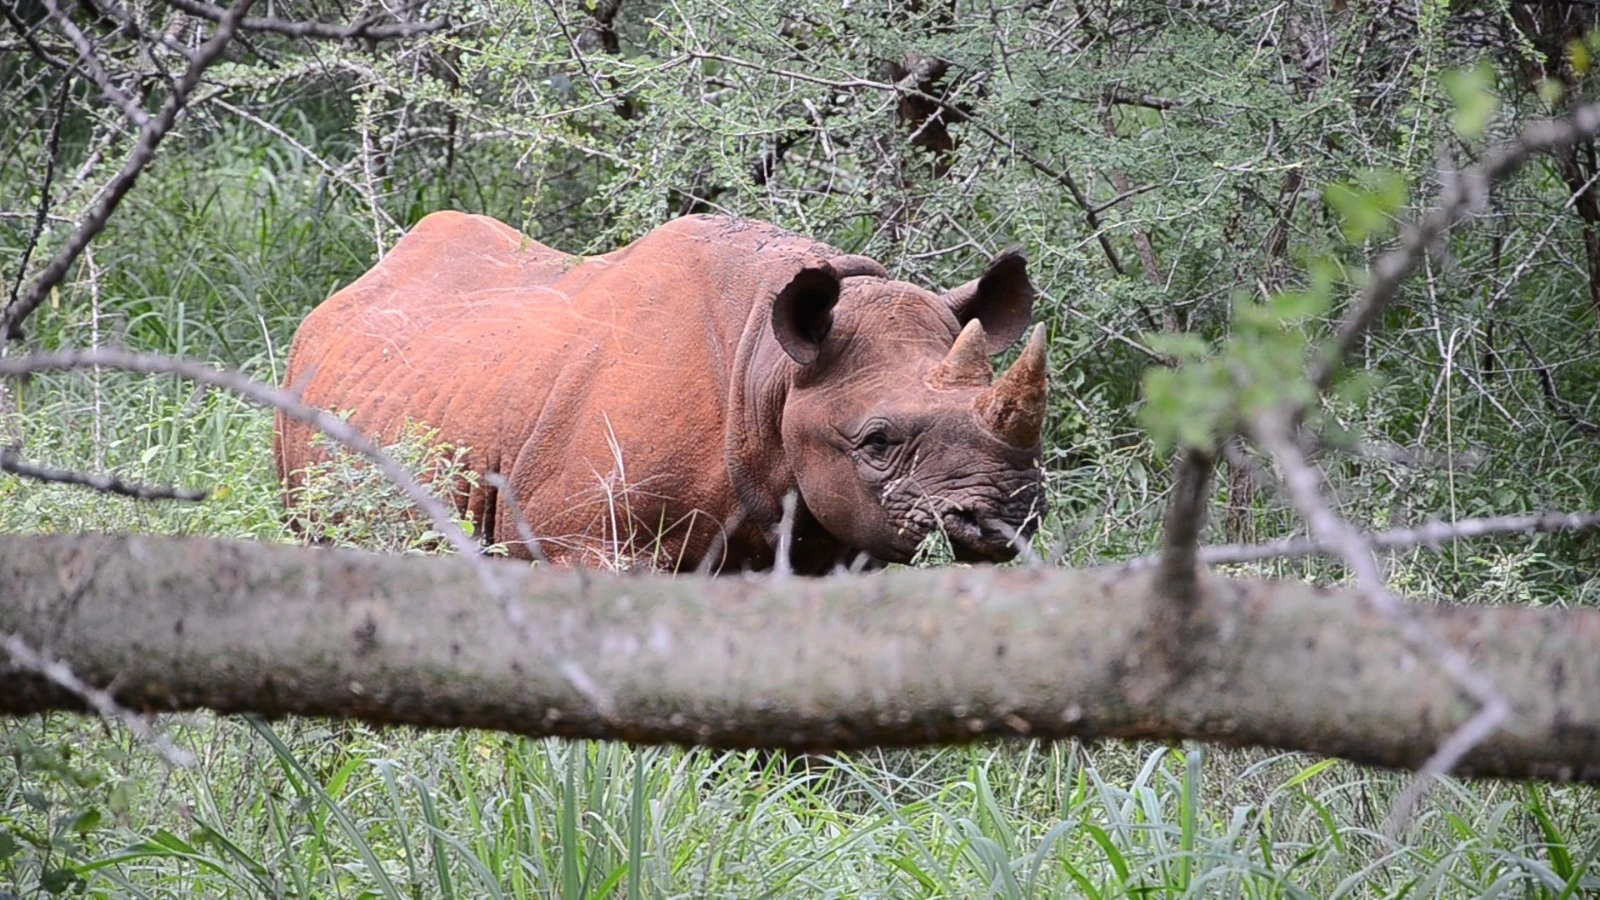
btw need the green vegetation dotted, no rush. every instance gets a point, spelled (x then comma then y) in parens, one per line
(309, 811)
(1262, 156)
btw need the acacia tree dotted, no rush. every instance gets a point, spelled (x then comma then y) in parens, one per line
(925, 136)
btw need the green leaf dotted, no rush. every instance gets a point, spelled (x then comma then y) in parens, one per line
(87, 821)
(1367, 210)
(8, 846)
(1183, 345)
(1551, 91)
(59, 881)
(1472, 92)
(120, 800)
(1296, 306)
(1578, 55)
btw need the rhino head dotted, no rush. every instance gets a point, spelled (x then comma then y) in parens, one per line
(893, 425)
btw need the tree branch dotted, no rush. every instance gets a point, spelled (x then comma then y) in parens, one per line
(272, 398)
(42, 212)
(908, 658)
(55, 672)
(11, 461)
(91, 64)
(1431, 535)
(365, 29)
(150, 137)
(1178, 569)
(1274, 432)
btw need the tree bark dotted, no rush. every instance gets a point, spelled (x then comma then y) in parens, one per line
(914, 657)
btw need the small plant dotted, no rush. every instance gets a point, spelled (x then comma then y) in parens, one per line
(345, 501)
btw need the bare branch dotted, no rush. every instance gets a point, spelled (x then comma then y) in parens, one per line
(11, 461)
(508, 496)
(1181, 525)
(1149, 101)
(21, 27)
(272, 398)
(366, 29)
(1304, 486)
(150, 137)
(1432, 535)
(1559, 408)
(90, 60)
(913, 657)
(98, 700)
(42, 214)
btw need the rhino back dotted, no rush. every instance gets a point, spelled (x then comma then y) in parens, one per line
(559, 371)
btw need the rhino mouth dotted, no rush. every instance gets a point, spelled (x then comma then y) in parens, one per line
(984, 539)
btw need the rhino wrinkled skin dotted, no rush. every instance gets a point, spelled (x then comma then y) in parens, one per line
(658, 403)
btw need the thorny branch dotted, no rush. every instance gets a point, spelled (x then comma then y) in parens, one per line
(11, 461)
(367, 28)
(96, 699)
(1276, 432)
(1430, 535)
(153, 128)
(151, 134)
(91, 64)
(1303, 483)
(272, 398)
(42, 214)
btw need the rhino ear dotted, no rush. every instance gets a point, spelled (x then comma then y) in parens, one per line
(802, 312)
(1001, 299)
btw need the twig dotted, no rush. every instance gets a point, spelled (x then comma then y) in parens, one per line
(150, 137)
(1181, 525)
(1432, 535)
(98, 700)
(524, 531)
(1149, 101)
(42, 215)
(781, 565)
(1304, 486)
(1127, 194)
(21, 27)
(1547, 386)
(272, 398)
(337, 175)
(11, 461)
(364, 28)
(97, 72)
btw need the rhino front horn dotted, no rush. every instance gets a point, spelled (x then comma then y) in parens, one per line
(967, 363)
(1014, 407)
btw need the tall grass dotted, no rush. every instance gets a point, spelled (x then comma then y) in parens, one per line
(301, 809)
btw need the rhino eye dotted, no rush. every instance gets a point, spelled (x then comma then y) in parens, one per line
(876, 443)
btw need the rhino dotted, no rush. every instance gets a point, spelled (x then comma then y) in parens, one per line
(657, 404)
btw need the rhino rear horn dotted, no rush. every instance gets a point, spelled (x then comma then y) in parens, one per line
(967, 363)
(1014, 407)
(1001, 298)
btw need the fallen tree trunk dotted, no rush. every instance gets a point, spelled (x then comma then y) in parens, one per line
(917, 657)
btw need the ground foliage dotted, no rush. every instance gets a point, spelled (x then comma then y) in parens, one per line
(1190, 181)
